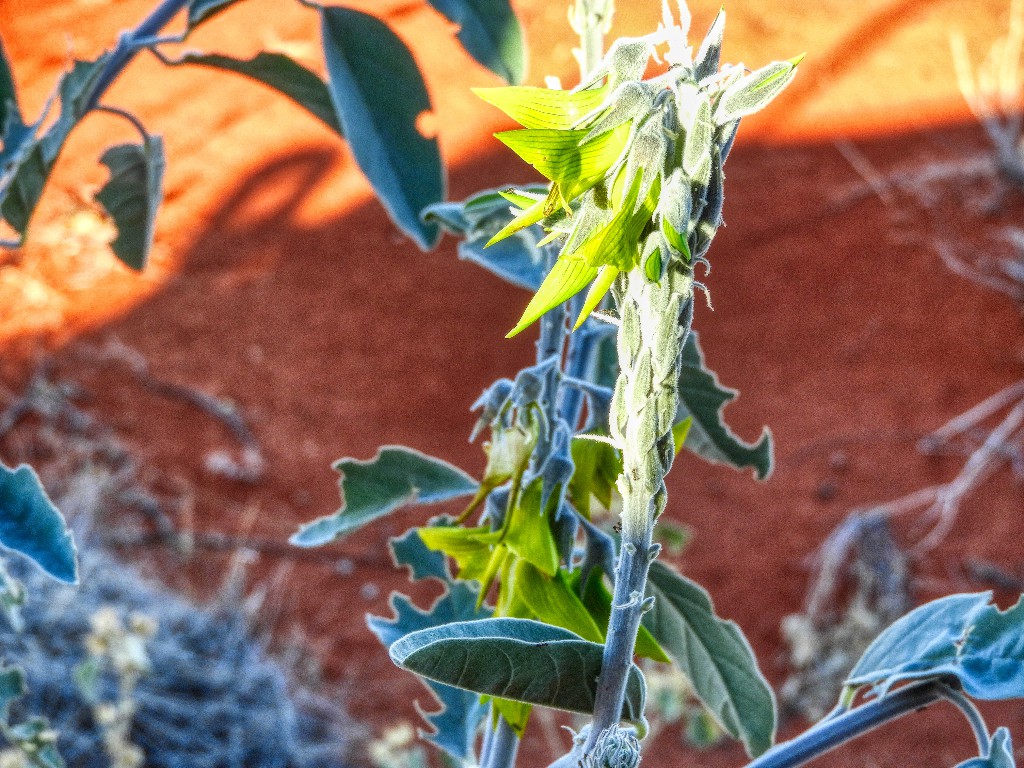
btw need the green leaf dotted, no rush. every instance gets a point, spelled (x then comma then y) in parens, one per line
(598, 466)
(598, 289)
(203, 10)
(529, 532)
(516, 659)
(703, 398)
(1000, 753)
(470, 548)
(132, 196)
(516, 713)
(752, 93)
(714, 655)
(598, 601)
(961, 635)
(544, 107)
(558, 155)
(277, 71)
(32, 525)
(378, 94)
(618, 242)
(567, 278)
(396, 476)
(490, 33)
(25, 171)
(551, 600)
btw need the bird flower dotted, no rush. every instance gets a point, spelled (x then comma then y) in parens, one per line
(635, 164)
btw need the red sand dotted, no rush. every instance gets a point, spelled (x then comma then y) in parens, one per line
(279, 283)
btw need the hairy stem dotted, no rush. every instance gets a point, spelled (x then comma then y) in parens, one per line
(654, 321)
(838, 730)
(591, 19)
(130, 43)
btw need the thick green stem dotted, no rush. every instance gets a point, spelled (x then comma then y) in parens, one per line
(654, 321)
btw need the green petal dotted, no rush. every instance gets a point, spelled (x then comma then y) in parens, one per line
(531, 215)
(543, 107)
(567, 278)
(605, 277)
(558, 155)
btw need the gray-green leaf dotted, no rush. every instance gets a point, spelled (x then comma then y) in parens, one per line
(396, 476)
(961, 635)
(202, 10)
(379, 94)
(703, 397)
(9, 110)
(32, 525)
(516, 259)
(284, 75)
(714, 655)
(132, 196)
(490, 33)
(516, 659)
(27, 165)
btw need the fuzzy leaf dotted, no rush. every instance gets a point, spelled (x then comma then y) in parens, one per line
(543, 107)
(961, 635)
(32, 525)
(202, 10)
(490, 33)
(277, 71)
(378, 94)
(516, 659)
(516, 258)
(396, 476)
(752, 93)
(132, 196)
(703, 397)
(409, 550)
(714, 655)
(567, 278)
(454, 724)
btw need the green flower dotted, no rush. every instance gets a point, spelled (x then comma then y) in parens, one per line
(635, 165)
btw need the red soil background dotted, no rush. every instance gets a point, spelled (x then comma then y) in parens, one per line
(278, 282)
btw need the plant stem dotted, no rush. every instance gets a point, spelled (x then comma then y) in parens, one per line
(504, 745)
(590, 19)
(831, 733)
(973, 717)
(130, 43)
(655, 319)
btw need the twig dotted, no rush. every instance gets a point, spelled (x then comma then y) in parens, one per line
(878, 183)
